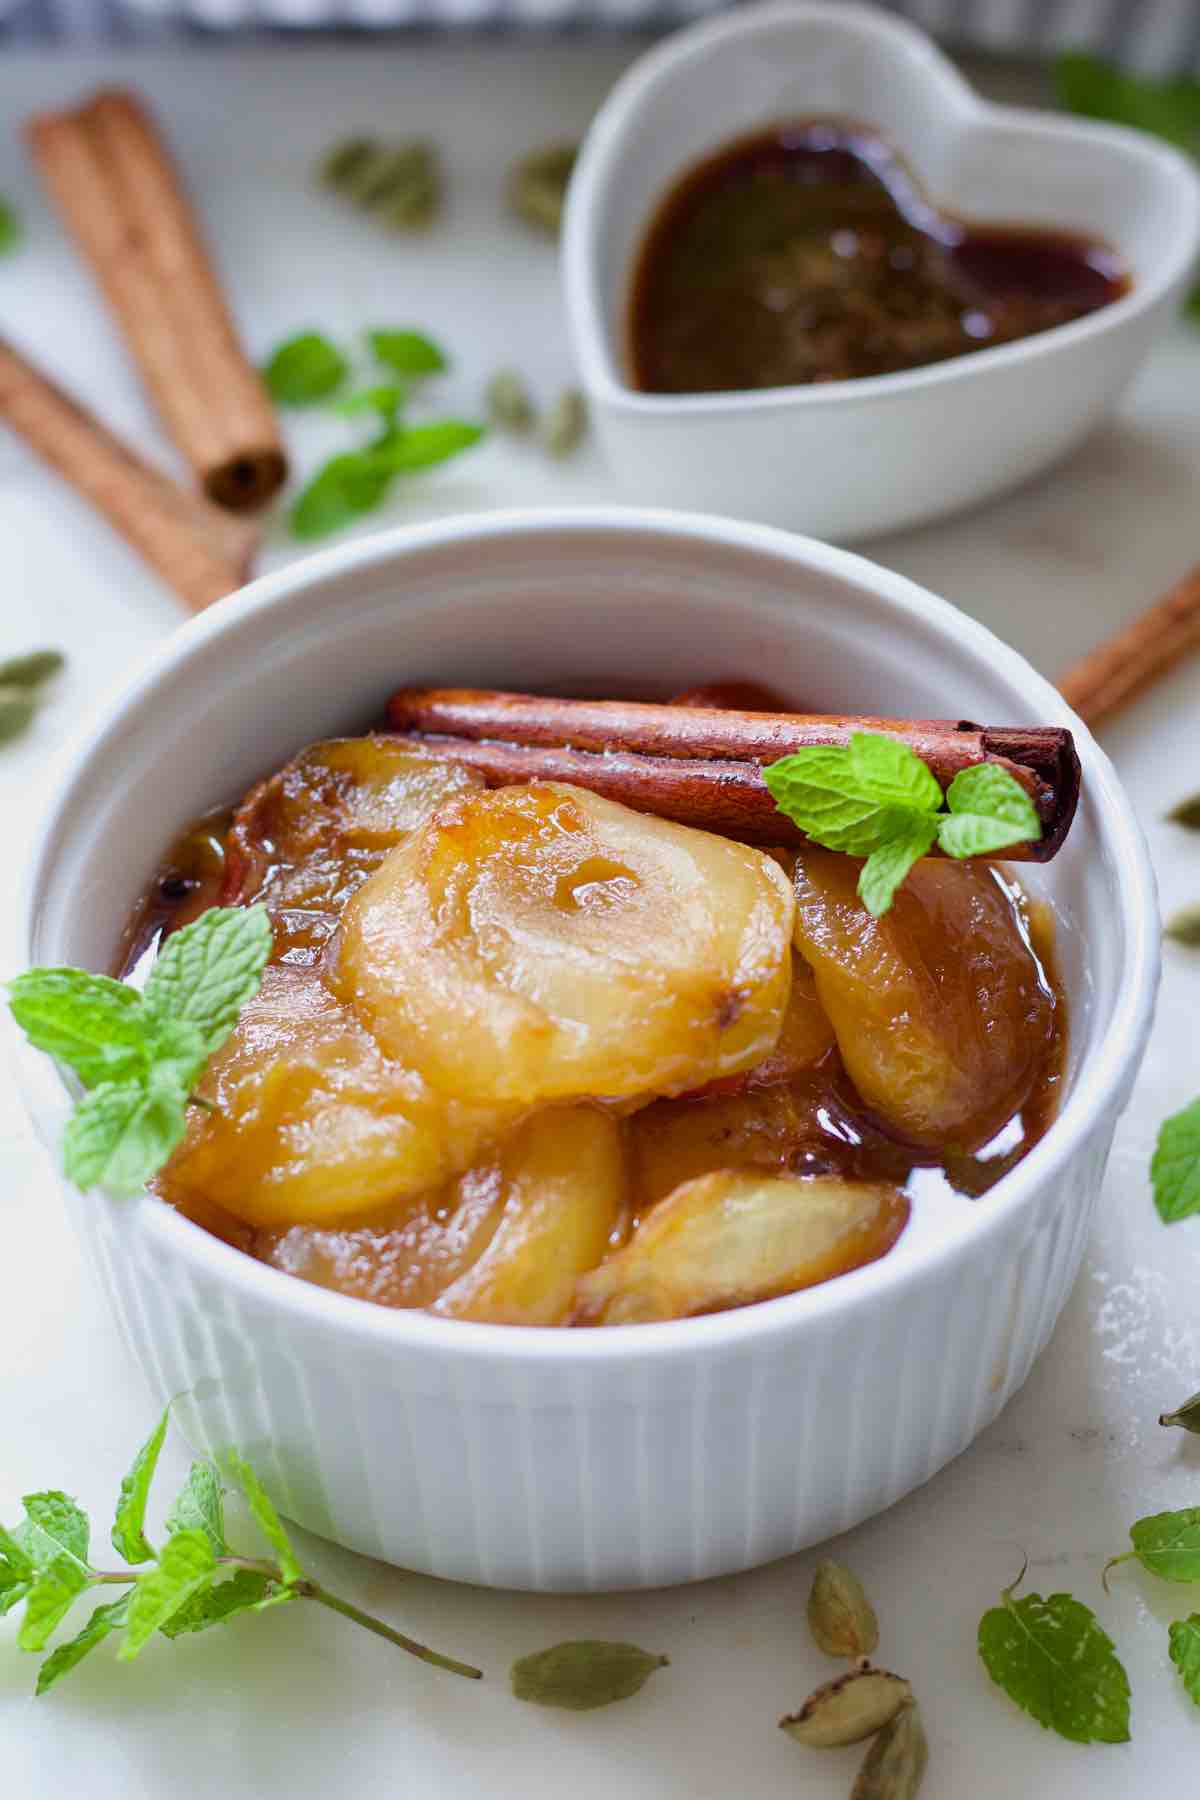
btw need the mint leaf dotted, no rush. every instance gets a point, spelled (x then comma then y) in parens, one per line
(889, 773)
(199, 1506)
(408, 352)
(1168, 1544)
(122, 1133)
(10, 227)
(1100, 90)
(1184, 1642)
(48, 1602)
(989, 811)
(305, 369)
(341, 491)
(817, 788)
(104, 1619)
(206, 973)
(16, 1564)
(1056, 1661)
(90, 1022)
(416, 447)
(128, 1535)
(32, 668)
(185, 1567)
(54, 1526)
(887, 867)
(245, 1591)
(386, 400)
(266, 1517)
(1175, 1165)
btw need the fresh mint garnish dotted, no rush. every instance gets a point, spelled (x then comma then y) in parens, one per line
(140, 1055)
(305, 370)
(407, 352)
(1175, 1165)
(358, 481)
(193, 1583)
(1184, 1647)
(875, 798)
(10, 227)
(1057, 1662)
(386, 401)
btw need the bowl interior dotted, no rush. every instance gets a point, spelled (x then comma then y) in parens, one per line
(723, 80)
(633, 605)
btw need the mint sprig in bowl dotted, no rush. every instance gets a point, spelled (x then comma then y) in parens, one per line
(587, 1459)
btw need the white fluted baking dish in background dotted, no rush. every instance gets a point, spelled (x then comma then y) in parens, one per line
(631, 1456)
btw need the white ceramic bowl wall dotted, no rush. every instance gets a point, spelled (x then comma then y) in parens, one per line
(608, 1458)
(850, 458)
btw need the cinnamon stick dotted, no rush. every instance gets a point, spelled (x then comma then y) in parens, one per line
(703, 766)
(200, 551)
(112, 178)
(1125, 665)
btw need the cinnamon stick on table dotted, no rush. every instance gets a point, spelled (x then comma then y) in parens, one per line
(199, 550)
(703, 765)
(1148, 648)
(111, 176)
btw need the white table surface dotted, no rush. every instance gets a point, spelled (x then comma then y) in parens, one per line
(295, 1702)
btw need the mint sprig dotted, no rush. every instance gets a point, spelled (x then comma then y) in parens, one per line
(875, 798)
(1175, 1165)
(193, 1581)
(305, 370)
(140, 1055)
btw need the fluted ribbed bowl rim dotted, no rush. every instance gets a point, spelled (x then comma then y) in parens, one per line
(1098, 1088)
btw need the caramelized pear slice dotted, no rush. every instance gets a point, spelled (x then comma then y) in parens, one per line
(539, 943)
(305, 1119)
(562, 1178)
(308, 836)
(674, 1141)
(940, 1009)
(733, 1237)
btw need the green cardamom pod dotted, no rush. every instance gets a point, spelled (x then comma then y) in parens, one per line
(508, 401)
(583, 1674)
(840, 1617)
(1187, 1415)
(17, 707)
(32, 669)
(1184, 926)
(849, 1709)
(1187, 813)
(894, 1766)
(345, 163)
(537, 186)
(565, 423)
(400, 184)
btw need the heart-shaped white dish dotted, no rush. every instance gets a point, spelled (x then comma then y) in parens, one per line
(849, 458)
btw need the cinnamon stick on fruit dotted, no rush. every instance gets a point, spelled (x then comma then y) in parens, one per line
(200, 551)
(703, 765)
(111, 176)
(1151, 646)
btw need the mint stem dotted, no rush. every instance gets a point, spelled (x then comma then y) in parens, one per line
(312, 1591)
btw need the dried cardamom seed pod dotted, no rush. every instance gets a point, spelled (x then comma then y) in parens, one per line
(537, 186)
(1187, 1415)
(849, 1709)
(1187, 813)
(894, 1766)
(400, 184)
(32, 669)
(1184, 926)
(509, 402)
(840, 1617)
(346, 161)
(583, 1674)
(17, 707)
(564, 424)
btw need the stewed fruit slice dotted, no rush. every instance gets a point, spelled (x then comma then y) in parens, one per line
(941, 1011)
(733, 1237)
(308, 836)
(539, 943)
(562, 1182)
(303, 1117)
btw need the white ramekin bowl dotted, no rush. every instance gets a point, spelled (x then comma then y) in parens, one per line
(605, 1458)
(849, 458)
